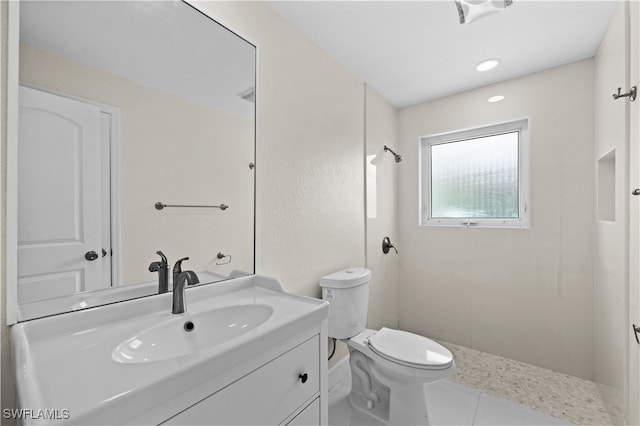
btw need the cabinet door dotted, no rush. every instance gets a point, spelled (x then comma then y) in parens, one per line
(266, 396)
(308, 416)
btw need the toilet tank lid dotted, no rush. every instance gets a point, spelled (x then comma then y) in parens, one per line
(349, 277)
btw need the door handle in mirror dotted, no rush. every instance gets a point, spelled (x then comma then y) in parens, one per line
(91, 255)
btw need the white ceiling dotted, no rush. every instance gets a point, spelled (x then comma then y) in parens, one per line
(414, 51)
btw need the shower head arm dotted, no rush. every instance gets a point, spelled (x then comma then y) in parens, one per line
(397, 156)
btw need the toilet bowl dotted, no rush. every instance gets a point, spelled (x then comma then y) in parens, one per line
(398, 365)
(389, 367)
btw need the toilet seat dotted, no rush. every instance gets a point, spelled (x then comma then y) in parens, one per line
(410, 349)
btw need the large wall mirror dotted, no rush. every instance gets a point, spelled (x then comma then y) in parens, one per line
(131, 131)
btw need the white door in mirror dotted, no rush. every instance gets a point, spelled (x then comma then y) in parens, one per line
(59, 196)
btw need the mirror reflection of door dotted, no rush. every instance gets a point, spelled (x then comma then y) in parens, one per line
(63, 223)
(181, 130)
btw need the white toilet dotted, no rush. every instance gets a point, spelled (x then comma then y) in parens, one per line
(389, 368)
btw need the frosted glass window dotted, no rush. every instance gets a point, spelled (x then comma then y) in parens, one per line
(476, 177)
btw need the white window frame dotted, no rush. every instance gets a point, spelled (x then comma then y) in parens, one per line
(425, 144)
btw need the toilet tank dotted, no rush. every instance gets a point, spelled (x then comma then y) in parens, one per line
(347, 292)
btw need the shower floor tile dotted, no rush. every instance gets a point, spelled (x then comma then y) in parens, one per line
(555, 394)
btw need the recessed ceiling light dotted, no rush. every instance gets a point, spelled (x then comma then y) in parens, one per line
(496, 98)
(488, 64)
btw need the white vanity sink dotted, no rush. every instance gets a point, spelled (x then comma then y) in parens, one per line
(190, 333)
(134, 362)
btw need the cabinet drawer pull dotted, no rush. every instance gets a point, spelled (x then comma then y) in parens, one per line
(303, 377)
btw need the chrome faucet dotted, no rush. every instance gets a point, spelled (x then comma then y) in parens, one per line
(192, 278)
(177, 270)
(162, 268)
(179, 284)
(181, 279)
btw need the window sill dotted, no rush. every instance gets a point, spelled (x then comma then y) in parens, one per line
(461, 223)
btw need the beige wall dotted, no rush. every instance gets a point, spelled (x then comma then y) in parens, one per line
(610, 296)
(526, 294)
(633, 373)
(381, 130)
(310, 152)
(171, 150)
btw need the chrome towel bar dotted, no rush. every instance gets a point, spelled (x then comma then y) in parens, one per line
(160, 206)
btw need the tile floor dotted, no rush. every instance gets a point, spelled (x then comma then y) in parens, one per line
(491, 390)
(555, 394)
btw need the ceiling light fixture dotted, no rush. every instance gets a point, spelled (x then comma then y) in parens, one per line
(495, 99)
(472, 10)
(488, 64)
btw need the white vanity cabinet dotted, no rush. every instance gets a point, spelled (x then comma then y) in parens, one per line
(308, 416)
(285, 390)
(272, 374)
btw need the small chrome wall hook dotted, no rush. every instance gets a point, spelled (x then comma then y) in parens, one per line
(631, 94)
(221, 256)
